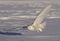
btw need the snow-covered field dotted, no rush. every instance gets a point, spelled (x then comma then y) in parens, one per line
(22, 13)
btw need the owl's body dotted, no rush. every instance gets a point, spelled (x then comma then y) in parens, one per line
(38, 24)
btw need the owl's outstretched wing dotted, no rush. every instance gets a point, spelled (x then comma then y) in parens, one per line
(41, 16)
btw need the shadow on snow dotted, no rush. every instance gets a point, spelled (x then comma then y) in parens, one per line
(9, 33)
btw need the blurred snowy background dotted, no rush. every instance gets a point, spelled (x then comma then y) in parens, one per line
(23, 12)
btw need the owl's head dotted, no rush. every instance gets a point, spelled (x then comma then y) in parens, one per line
(31, 28)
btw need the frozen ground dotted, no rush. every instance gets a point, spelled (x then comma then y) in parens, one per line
(23, 13)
